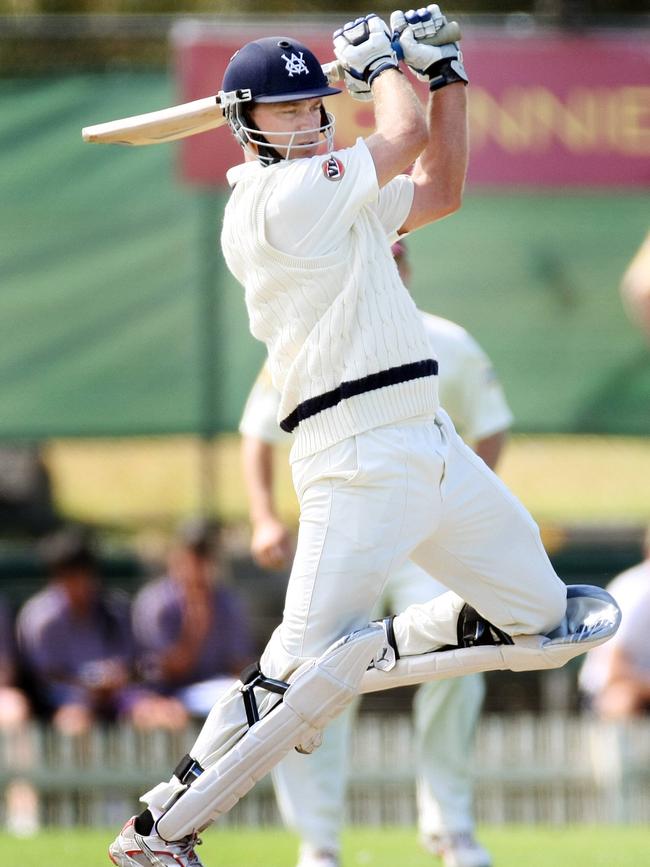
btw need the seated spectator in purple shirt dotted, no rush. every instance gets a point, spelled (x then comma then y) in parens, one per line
(76, 642)
(192, 632)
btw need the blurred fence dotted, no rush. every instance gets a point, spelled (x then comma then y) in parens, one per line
(551, 769)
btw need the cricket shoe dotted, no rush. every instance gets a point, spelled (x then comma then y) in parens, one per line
(131, 849)
(458, 850)
(318, 858)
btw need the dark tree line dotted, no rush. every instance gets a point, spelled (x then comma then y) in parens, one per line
(41, 36)
(564, 9)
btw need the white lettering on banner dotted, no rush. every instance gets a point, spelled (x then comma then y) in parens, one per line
(585, 121)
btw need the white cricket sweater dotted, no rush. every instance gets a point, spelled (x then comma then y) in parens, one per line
(333, 318)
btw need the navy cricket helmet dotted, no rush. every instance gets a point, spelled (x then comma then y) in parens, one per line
(277, 69)
(273, 69)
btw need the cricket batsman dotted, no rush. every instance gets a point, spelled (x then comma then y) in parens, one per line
(311, 789)
(380, 473)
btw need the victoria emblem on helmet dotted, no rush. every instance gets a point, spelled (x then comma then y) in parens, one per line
(295, 64)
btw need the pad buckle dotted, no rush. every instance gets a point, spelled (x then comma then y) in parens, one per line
(252, 677)
(187, 770)
(475, 631)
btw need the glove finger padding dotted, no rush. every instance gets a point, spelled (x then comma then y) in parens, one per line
(364, 49)
(438, 64)
(424, 24)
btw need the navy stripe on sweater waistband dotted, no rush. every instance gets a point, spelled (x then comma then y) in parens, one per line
(392, 376)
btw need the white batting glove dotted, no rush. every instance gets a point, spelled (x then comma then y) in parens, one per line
(363, 49)
(438, 64)
(356, 88)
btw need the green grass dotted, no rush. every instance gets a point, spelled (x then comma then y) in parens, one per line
(518, 846)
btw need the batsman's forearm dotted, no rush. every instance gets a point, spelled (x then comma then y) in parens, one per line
(443, 162)
(398, 111)
(400, 125)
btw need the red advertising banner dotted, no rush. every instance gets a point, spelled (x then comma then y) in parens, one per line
(545, 110)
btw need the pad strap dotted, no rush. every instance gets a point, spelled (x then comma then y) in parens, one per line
(390, 634)
(252, 677)
(188, 769)
(475, 631)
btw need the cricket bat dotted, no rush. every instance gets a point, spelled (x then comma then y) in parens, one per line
(200, 115)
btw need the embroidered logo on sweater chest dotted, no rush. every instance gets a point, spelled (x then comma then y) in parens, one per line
(333, 169)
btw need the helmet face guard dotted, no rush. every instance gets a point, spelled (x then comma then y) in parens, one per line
(274, 145)
(274, 69)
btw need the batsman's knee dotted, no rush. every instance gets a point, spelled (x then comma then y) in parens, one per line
(591, 617)
(556, 604)
(545, 609)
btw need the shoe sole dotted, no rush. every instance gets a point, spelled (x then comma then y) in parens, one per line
(119, 863)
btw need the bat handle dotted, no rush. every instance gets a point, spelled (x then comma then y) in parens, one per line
(333, 71)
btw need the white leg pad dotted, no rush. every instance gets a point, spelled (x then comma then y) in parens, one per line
(319, 690)
(592, 618)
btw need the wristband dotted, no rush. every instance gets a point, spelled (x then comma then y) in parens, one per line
(441, 73)
(381, 68)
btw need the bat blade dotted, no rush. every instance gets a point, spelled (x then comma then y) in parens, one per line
(154, 127)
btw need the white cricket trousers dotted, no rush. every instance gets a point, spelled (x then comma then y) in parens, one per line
(311, 790)
(366, 505)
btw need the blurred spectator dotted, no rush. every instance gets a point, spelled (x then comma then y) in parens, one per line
(26, 504)
(635, 287)
(192, 631)
(14, 705)
(21, 799)
(76, 643)
(615, 678)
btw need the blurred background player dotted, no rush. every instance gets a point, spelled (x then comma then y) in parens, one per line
(635, 287)
(311, 789)
(615, 678)
(75, 640)
(192, 632)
